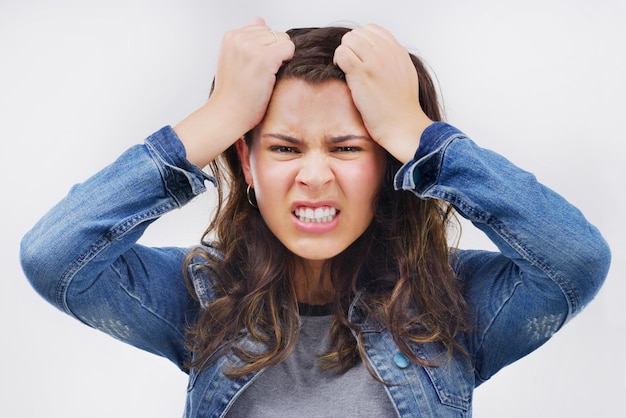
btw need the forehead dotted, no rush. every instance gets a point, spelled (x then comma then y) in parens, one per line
(299, 105)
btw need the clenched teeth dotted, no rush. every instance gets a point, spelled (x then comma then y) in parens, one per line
(322, 214)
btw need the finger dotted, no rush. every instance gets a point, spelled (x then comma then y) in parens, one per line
(284, 50)
(271, 38)
(376, 36)
(359, 44)
(283, 36)
(360, 36)
(266, 34)
(379, 32)
(259, 34)
(258, 21)
(346, 59)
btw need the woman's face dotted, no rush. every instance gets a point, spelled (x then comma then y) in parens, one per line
(314, 168)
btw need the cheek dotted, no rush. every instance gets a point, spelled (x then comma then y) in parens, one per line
(270, 180)
(367, 178)
(376, 181)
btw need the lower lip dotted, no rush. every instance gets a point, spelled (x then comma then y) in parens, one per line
(316, 227)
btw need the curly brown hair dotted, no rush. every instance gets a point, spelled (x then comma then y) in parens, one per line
(400, 263)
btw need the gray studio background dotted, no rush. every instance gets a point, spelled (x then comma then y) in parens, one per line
(541, 82)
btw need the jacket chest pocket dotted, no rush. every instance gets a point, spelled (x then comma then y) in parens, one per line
(443, 391)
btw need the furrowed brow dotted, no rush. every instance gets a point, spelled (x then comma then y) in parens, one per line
(331, 140)
(285, 138)
(344, 138)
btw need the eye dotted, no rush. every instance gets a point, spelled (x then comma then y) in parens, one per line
(347, 149)
(283, 149)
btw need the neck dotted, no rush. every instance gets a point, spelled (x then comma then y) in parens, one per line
(312, 283)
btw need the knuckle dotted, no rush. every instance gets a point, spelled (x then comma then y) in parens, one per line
(229, 35)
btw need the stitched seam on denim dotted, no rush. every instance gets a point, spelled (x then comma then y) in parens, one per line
(443, 132)
(202, 280)
(169, 168)
(154, 141)
(405, 177)
(445, 396)
(155, 314)
(164, 164)
(238, 393)
(486, 331)
(116, 232)
(437, 159)
(377, 372)
(510, 238)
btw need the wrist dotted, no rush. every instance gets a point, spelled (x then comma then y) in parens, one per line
(404, 143)
(207, 132)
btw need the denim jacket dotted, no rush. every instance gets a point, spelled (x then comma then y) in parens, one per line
(84, 258)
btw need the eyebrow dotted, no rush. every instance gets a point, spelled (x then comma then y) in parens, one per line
(333, 139)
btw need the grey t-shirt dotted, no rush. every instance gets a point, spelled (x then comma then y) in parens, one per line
(300, 387)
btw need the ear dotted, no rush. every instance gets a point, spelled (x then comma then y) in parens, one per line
(243, 151)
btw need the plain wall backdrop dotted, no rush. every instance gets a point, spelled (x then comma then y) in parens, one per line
(541, 82)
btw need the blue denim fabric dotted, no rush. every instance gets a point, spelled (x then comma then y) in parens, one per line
(83, 257)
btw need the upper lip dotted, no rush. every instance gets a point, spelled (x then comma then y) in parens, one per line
(313, 205)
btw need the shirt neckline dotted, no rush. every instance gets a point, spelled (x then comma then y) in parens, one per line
(315, 310)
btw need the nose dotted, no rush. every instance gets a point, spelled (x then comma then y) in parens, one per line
(315, 171)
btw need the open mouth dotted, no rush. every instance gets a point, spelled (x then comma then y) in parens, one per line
(317, 215)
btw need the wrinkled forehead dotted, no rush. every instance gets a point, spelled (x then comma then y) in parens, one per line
(301, 109)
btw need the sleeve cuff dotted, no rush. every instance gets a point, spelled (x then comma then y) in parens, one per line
(177, 172)
(424, 168)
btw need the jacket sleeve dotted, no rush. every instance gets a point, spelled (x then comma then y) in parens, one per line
(83, 256)
(551, 261)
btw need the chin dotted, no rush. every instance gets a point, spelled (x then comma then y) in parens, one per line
(315, 255)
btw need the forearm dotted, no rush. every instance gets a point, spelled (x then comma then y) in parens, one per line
(533, 226)
(552, 262)
(103, 217)
(208, 132)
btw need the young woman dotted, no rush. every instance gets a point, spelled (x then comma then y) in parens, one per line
(325, 284)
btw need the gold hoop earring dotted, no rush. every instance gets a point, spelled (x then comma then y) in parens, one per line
(249, 196)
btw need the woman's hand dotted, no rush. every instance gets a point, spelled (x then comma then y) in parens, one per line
(246, 73)
(248, 62)
(384, 86)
